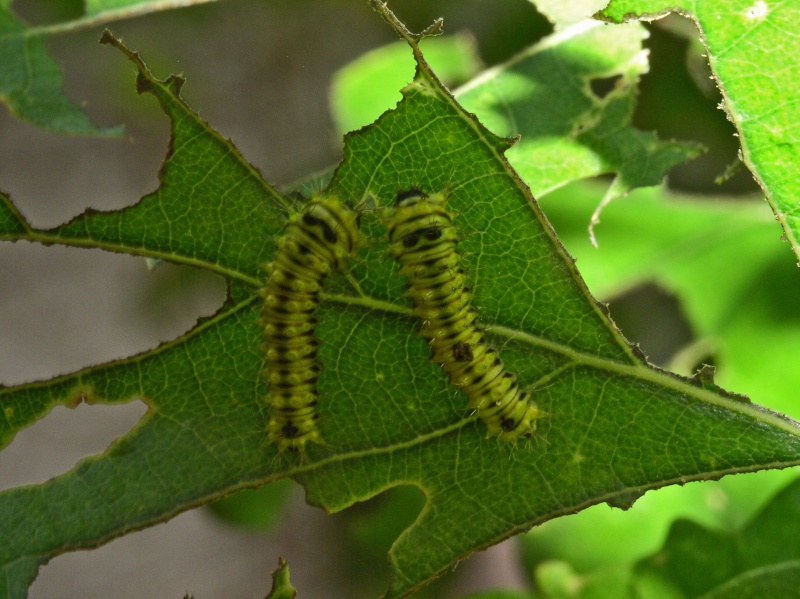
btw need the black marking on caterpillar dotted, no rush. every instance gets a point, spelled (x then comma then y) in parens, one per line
(462, 352)
(317, 240)
(424, 242)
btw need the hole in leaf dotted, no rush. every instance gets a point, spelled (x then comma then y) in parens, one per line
(672, 104)
(376, 524)
(254, 509)
(367, 531)
(653, 318)
(54, 444)
(190, 553)
(602, 86)
(69, 308)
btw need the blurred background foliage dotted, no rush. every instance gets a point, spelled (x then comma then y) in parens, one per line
(262, 72)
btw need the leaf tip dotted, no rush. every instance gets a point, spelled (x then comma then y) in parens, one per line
(435, 28)
(144, 79)
(281, 585)
(106, 37)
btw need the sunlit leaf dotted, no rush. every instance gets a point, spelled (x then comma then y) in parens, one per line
(743, 38)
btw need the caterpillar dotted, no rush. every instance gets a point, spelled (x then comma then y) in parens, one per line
(423, 240)
(317, 240)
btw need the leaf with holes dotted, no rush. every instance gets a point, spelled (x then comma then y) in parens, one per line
(742, 38)
(31, 81)
(615, 427)
(570, 98)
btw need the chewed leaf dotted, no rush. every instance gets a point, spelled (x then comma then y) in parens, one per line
(742, 38)
(31, 81)
(550, 95)
(570, 98)
(362, 90)
(614, 426)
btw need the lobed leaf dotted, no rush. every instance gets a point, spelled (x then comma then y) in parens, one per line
(616, 427)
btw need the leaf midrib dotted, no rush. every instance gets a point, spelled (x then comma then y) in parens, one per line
(636, 369)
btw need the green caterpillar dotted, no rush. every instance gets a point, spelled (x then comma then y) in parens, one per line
(319, 239)
(424, 242)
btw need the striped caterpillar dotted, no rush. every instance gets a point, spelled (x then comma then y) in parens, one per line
(319, 239)
(424, 242)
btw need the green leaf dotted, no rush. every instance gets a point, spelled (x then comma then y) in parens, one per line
(368, 86)
(566, 12)
(744, 321)
(568, 130)
(682, 244)
(11, 221)
(281, 586)
(616, 427)
(30, 80)
(742, 39)
(780, 580)
(760, 560)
